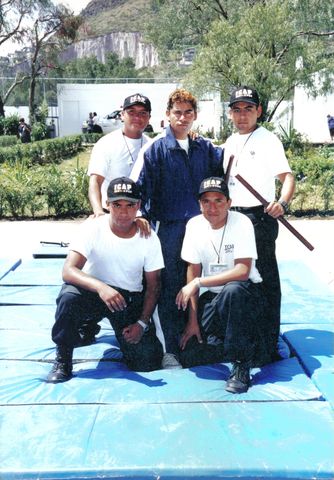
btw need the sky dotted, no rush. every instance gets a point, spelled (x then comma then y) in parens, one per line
(75, 5)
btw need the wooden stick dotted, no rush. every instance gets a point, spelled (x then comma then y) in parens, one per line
(228, 170)
(280, 218)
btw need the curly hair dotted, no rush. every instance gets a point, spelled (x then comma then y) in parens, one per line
(181, 95)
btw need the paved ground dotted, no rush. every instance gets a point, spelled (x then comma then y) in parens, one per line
(19, 238)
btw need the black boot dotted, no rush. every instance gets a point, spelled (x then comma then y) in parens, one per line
(62, 367)
(239, 379)
(87, 333)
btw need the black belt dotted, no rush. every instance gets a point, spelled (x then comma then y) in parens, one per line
(257, 209)
(170, 222)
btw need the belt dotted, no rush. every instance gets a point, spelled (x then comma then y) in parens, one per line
(169, 222)
(257, 209)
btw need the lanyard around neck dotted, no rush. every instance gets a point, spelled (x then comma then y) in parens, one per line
(242, 149)
(127, 146)
(221, 242)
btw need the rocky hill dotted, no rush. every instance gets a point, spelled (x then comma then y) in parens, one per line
(114, 26)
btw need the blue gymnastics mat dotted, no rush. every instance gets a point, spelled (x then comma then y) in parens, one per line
(32, 317)
(46, 271)
(168, 441)
(20, 317)
(8, 265)
(314, 345)
(305, 297)
(28, 295)
(112, 423)
(106, 382)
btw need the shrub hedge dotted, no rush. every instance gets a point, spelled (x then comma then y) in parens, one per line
(32, 183)
(42, 152)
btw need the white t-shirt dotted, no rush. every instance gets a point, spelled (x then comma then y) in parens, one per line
(201, 244)
(184, 144)
(116, 261)
(137, 168)
(259, 158)
(114, 155)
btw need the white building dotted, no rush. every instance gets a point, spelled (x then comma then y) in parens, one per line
(75, 101)
(310, 115)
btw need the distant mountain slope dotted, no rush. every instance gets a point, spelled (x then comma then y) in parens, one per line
(107, 16)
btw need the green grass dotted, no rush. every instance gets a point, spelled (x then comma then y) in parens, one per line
(79, 160)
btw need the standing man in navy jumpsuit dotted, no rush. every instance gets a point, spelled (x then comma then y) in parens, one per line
(173, 168)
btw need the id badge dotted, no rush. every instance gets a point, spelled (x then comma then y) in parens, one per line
(215, 268)
(231, 181)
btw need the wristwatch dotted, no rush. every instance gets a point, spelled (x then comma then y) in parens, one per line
(143, 325)
(284, 204)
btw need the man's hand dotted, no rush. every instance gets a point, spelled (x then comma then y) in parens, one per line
(112, 298)
(274, 209)
(191, 329)
(133, 333)
(144, 226)
(97, 214)
(185, 293)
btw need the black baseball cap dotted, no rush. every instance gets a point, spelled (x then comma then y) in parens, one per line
(123, 188)
(137, 99)
(214, 184)
(244, 94)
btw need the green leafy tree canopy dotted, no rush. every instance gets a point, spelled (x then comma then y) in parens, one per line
(273, 45)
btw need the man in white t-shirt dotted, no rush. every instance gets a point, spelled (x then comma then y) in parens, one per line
(115, 154)
(223, 323)
(103, 276)
(258, 156)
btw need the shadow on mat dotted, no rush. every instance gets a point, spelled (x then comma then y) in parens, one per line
(310, 343)
(117, 369)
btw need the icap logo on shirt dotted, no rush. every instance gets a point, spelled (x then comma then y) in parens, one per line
(229, 248)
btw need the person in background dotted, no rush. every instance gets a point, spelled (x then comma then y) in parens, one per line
(90, 123)
(24, 131)
(173, 167)
(258, 156)
(219, 247)
(115, 154)
(103, 276)
(330, 122)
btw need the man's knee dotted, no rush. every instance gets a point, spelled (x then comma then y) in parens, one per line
(144, 357)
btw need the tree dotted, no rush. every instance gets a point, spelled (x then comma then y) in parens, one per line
(19, 79)
(272, 45)
(44, 29)
(52, 28)
(13, 14)
(91, 68)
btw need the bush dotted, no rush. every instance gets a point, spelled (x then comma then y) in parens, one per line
(314, 193)
(8, 140)
(293, 142)
(44, 151)
(31, 190)
(91, 137)
(20, 187)
(39, 131)
(9, 125)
